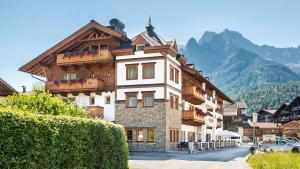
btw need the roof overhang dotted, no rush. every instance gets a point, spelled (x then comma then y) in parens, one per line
(35, 66)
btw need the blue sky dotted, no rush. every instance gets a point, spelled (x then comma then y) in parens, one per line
(29, 27)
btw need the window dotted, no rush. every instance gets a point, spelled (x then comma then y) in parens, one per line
(92, 74)
(92, 100)
(103, 46)
(129, 134)
(171, 73)
(71, 99)
(171, 101)
(94, 47)
(171, 135)
(131, 100)
(148, 99)
(139, 135)
(174, 135)
(176, 102)
(70, 76)
(140, 47)
(148, 71)
(132, 72)
(177, 76)
(150, 135)
(107, 100)
(107, 72)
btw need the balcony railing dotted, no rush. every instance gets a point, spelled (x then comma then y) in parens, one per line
(95, 111)
(84, 57)
(89, 84)
(193, 115)
(193, 94)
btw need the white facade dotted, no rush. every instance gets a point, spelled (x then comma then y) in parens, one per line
(162, 65)
(99, 100)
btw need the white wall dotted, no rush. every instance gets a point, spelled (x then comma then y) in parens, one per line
(174, 63)
(109, 109)
(159, 92)
(159, 73)
(138, 55)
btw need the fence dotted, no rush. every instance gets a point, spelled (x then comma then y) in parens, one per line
(200, 146)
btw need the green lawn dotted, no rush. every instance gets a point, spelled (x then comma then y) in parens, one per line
(275, 161)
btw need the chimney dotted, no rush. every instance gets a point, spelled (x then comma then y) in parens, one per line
(117, 26)
(23, 89)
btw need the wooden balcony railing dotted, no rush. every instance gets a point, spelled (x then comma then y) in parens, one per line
(193, 116)
(85, 57)
(95, 111)
(89, 84)
(193, 94)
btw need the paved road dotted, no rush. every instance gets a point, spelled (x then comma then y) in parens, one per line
(221, 159)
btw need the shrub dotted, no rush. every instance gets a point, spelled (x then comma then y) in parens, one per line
(275, 161)
(42, 103)
(45, 141)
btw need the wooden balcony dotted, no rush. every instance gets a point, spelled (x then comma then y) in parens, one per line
(89, 84)
(95, 111)
(193, 117)
(193, 95)
(82, 58)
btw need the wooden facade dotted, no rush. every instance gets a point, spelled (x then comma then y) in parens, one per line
(6, 89)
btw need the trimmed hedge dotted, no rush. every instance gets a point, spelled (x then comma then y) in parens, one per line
(44, 141)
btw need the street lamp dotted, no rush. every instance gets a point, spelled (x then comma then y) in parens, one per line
(254, 120)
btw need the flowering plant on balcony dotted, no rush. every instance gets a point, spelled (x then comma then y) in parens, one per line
(73, 81)
(56, 82)
(63, 81)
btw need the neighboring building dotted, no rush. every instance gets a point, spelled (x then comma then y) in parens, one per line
(291, 129)
(265, 115)
(234, 112)
(142, 83)
(6, 89)
(288, 112)
(247, 128)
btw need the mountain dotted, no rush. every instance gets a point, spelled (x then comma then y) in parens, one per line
(270, 96)
(234, 63)
(244, 70)
(287, 56)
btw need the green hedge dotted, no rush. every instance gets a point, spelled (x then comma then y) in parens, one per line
(44, 141)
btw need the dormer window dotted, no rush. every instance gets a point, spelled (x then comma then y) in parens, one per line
(140, 47)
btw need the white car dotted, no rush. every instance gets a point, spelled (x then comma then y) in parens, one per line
(281, 144)
(293, 139)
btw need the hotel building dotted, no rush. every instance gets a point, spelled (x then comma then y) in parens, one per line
(142, 83)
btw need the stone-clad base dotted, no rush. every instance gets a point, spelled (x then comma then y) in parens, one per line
(159, 117)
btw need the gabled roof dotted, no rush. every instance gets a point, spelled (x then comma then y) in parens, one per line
(34, 66)
(294, 103)
(151, 39)
(5, 88)
(282, 107)
(269, 111)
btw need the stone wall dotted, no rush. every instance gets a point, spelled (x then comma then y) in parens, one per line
(144, 117)
(173, 121)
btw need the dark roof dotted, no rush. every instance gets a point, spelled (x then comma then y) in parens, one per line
(294, 103)
(282, 107)
(267, 111)
(5, 88)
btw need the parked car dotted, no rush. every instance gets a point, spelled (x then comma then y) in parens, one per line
(281, 144)
(293, 139)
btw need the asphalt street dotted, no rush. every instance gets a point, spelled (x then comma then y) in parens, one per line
(234, 158)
